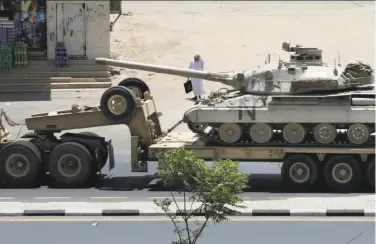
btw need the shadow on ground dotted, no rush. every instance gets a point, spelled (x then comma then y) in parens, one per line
(261, 183)
(23, 97)
(258, 183)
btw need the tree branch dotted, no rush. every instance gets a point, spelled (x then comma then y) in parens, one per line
(186, 217)
(173, 197)
(199, 208)
(201, 229)
(174, 223)
(185, 207)
(193, 200)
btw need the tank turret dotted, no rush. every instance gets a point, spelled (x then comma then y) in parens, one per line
(231, 79)
(282, 78)
(303, 55)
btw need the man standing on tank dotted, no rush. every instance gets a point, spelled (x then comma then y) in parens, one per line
(197, 84)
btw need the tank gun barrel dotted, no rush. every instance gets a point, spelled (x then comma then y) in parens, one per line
(225, 78)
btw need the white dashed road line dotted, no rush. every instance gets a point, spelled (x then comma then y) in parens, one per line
(49, 198)
(159, 198)
(108, 197)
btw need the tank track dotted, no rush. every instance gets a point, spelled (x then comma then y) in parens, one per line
(212, 139)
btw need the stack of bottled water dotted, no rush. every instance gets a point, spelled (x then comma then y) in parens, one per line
(5, 58)
(61, 56)
(20, 54)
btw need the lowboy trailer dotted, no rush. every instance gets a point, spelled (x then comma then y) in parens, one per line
(73, 158)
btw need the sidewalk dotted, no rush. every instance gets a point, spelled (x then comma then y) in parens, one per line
(305, 206)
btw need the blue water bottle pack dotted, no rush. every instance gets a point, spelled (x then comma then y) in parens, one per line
(61, 55)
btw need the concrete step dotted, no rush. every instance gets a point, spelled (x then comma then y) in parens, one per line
(60, 69)
(71, 62)
(47, 74)
(7, 88)
(74, 65)
(11, 81)
(53, 66)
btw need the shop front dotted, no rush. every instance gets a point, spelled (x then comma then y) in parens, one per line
(29, 22)
(43, 27)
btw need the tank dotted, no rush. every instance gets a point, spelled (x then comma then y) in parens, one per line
(300, 102)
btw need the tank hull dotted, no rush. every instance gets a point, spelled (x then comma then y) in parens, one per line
(309, 114)
(282, 115)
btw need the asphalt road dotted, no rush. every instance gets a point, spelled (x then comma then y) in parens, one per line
(93, 195)
(288, 230)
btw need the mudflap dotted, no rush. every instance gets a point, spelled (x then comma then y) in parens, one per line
(136, 151)
(111, 155)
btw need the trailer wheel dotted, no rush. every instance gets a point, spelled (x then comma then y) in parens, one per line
(299, 172)
(102, 153)
(118, 104)
(371, 172)
(343, 173)
(20, 164)
(70, 164)
(138, 86)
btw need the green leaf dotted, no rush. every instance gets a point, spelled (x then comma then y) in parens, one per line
(217, 187)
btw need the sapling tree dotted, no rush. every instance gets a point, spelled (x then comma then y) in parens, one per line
(213, 191)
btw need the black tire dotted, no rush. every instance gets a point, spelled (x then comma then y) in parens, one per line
(33, 158)
(137, 83)
(126, 94)
(103, 152)
(290, 163)
(371, 172)
(353, 183)
(82, 176)
(30, 135)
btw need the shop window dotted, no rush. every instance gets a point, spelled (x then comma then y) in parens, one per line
(30, 23)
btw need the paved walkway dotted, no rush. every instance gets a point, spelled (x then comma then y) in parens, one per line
(355, 205)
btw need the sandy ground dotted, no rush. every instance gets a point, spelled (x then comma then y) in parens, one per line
(235, 36)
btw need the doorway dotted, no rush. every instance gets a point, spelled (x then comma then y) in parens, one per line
(71, 28)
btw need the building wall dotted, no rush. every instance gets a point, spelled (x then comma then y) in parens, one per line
(97, 21)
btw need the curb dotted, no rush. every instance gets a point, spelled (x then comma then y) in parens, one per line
(140, 212)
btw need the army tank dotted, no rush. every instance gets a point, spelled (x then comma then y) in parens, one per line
(301, 102)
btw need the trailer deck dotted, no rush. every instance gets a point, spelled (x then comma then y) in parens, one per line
(192, 141)
(148, 141)
(81, 117)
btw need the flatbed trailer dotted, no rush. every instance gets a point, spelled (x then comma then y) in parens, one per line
(193, 142)
(73, 158)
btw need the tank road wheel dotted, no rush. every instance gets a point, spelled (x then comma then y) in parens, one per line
(20, 164)
(358, 133)
(230, 132)
(261, 133)
(138, 86)
(118, 104)
(371, 172)
(70, 164)
(102, 152)
(294, 133)
(343, 173)
(325, 133)
(299, 172)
